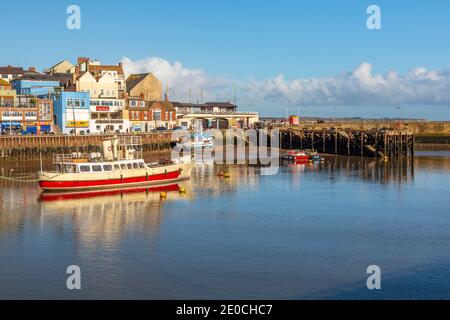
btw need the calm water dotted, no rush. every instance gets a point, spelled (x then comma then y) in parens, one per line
(305, 233)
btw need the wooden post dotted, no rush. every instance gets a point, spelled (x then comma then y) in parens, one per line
(348, 143)
(290, 140)
(324, 142)
(362, 144)
(336, 142)
(301, 140)
(376, 144)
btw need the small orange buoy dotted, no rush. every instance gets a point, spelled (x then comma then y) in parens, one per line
(226, 175)
(182, 190)
(163, 195)
(220, 174)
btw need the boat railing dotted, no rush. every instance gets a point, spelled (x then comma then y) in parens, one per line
(130, 141)
(76, 157)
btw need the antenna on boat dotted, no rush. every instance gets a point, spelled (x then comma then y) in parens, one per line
(40, 153)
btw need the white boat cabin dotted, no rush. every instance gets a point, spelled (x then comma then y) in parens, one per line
(96, 167)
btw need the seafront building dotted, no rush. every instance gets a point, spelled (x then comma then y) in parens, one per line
(217, 115)
(36, 84)
(71, 112)
(144, 85)
(147, 115)
(26, 114)
(91, 98)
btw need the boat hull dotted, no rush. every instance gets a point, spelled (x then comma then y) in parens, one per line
(63, 182)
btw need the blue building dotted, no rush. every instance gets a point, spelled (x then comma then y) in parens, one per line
(71, 111)
(37, 85)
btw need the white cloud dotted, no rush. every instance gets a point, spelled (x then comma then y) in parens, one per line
(358, 87)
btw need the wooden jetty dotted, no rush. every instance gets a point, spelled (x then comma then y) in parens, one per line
(31, 147)
(366, 143)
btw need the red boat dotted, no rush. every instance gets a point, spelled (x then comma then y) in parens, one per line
(120, 166)
(298, 156)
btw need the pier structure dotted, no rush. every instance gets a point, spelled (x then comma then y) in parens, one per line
(32, 147)
(365, 143)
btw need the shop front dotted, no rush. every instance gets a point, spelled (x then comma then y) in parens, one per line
(10, 126)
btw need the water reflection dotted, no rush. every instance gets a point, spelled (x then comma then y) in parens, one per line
(111, 212)
(305, 232)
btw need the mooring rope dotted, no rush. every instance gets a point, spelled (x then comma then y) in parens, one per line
(18, 179)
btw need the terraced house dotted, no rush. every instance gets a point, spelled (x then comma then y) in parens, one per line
(148, 115)
(28, 114)
(106, 87)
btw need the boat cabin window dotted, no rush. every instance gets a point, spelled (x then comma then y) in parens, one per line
(107, 167)
(116, 167)
(130, 166)
(141, 165)
(67, 168)
(97, 168)
(123, 166)
(136, 165)
(85, 169)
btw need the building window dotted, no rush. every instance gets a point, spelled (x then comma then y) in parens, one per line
(69, 102)
(30, 114)
(157, 115)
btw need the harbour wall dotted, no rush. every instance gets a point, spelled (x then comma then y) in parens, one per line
(32, 147)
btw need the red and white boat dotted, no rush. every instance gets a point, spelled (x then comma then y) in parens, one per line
(120, 166)
(297, 156)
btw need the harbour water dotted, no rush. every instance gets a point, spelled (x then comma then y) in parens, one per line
(308, 232)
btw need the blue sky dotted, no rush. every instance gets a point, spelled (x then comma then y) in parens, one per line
(239, 40)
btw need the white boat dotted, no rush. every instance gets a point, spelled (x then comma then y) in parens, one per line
(120, 166)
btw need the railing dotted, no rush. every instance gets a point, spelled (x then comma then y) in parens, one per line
(17, 105)
(218, 112)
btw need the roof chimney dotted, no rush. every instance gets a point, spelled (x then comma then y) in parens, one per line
(82, 59)
(32, 69)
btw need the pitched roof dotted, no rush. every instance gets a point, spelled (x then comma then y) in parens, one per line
(58, 64)
(97, 69)
(38, 77)
(220, 104)
(4, 83)
(134, 79)
(167, 105)
(11, 70)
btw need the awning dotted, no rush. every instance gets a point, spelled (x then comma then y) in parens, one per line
(31, 129)
(7, 124)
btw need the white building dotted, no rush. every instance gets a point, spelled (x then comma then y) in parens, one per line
(108, 115)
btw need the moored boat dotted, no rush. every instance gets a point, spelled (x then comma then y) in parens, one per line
(121, 165)
(296, 156)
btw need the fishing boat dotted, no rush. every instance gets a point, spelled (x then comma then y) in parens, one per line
(296, 156)
(120, 165)
(314, 156)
